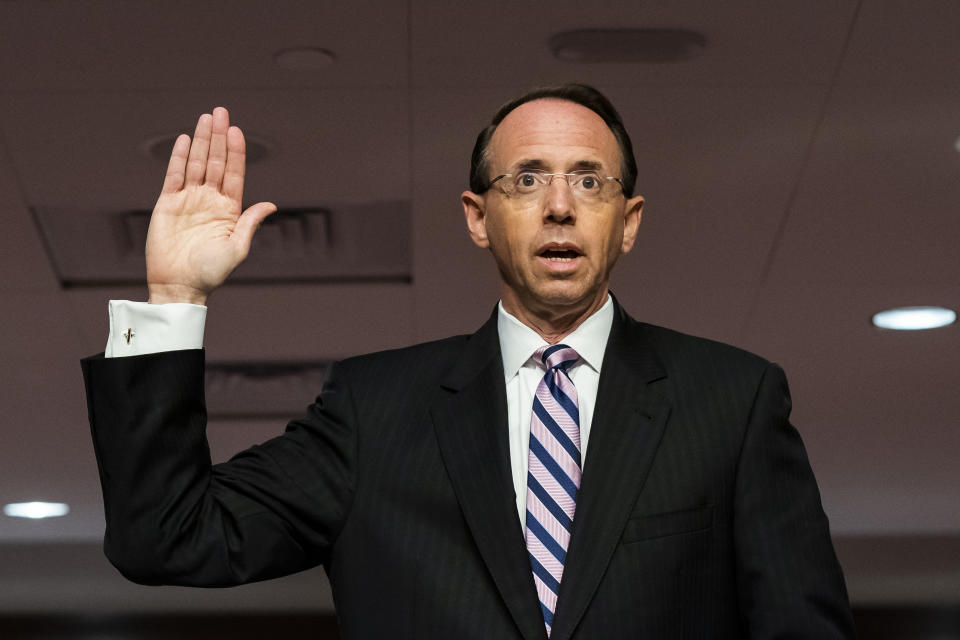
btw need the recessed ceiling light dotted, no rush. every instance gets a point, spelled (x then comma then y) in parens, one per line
(627, 45)
(36, 510)
(304, 58)
(159, 147)
(914, 318)
(956, 145)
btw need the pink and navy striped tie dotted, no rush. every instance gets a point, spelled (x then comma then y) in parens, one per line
(554, 473)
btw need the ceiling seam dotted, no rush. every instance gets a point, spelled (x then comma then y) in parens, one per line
(804, 166)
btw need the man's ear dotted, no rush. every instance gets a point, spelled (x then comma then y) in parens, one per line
(474, 210)
(631, 222)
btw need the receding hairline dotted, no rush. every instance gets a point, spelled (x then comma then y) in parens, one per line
(485, 157)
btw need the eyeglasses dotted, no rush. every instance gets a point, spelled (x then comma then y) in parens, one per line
(531, 184)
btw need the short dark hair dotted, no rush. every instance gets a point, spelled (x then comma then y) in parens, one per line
(581, 94)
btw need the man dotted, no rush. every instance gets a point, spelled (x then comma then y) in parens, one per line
(565, 471)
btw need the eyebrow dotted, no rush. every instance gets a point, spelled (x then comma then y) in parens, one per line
(531, 163)
(536, 164)
(584, 165)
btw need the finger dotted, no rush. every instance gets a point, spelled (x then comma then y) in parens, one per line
(217, 156)
(248, 223)
(177, 166)
(197, 161)
(236, 165)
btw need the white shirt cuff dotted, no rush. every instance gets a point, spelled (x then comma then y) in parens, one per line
(138, 328)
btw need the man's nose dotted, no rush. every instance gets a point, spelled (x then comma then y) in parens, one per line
(559, 205)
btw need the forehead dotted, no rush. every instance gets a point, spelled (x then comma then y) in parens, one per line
(558, 133)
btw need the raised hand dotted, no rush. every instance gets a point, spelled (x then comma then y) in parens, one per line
(198, 234)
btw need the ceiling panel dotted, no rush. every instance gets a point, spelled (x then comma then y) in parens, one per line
(749, 43)
(328, 145)
(188, 45)
(904, 43)
(879, 200)
(9, 190)
(23, 257)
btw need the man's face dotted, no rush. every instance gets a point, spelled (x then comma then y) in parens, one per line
(554, 252)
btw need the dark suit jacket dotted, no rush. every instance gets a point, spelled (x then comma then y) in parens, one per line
(698, 515)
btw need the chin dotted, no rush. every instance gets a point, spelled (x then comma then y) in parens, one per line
(564, 297)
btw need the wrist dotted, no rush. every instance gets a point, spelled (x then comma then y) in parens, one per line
(167, 293)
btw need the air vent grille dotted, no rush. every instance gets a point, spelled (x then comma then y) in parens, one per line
(368, 242)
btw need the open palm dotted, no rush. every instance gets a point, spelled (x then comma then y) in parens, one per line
(198, 233)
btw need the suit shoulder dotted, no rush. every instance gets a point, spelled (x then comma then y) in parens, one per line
(700, 372)
(678, 349)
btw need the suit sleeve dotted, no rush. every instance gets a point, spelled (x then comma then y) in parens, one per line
(172, 517)
(790, 583)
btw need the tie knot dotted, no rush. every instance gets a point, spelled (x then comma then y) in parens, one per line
(557, 356)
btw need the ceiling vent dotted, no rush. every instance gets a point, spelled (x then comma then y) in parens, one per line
(627, 45)
(304, 58)
(262, 389)
(367, 242)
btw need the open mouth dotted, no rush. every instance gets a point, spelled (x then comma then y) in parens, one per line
(560, 254)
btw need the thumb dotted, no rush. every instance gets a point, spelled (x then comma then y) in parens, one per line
(248, 223)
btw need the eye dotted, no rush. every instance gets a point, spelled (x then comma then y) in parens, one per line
(526, 180)
(589, 182)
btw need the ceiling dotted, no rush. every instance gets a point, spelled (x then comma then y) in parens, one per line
(800, 175)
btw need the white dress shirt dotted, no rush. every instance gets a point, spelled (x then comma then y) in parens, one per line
(138, 328)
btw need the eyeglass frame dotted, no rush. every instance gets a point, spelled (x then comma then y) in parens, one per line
(566, 177)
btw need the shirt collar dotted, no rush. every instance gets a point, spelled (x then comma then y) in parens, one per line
(518, 341)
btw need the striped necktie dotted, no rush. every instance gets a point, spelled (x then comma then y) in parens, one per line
(554, 473)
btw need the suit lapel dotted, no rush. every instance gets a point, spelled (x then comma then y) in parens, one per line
(627, 426)
(470, 418)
